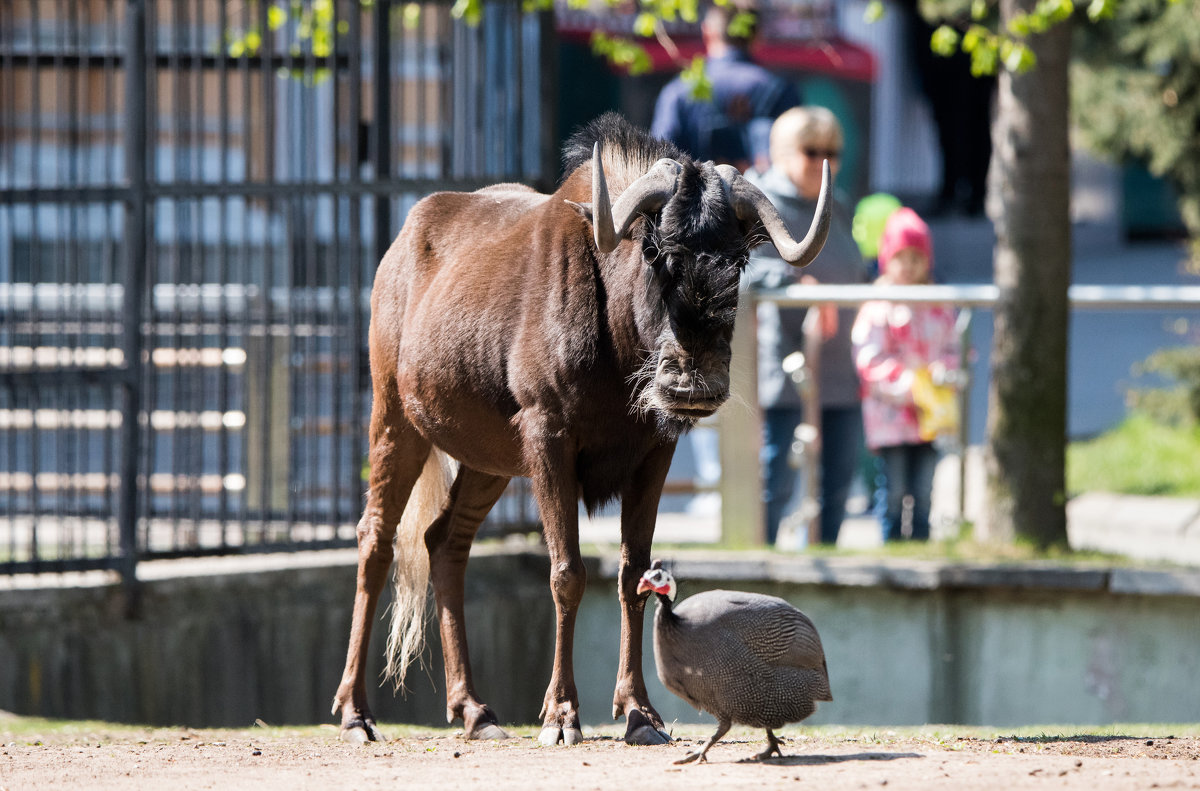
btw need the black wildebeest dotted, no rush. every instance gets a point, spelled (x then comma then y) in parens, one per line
(568, 340)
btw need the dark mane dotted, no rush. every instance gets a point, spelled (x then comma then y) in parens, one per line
(613, 128)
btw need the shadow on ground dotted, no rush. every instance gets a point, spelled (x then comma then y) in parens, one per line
(821, 760)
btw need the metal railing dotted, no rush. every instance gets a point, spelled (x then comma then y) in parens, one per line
(740, 432)
(194, 195)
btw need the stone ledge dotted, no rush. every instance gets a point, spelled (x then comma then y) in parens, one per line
(708, 565)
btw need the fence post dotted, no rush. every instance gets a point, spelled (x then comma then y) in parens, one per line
(134, 283)
(742, 518)
(964, 407)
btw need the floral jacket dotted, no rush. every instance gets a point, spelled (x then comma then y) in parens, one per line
(891, 342)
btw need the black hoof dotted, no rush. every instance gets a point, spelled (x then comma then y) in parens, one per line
(640, 731)
(360, 732)
(489, 730)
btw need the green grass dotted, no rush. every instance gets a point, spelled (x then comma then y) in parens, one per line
(1140, 456)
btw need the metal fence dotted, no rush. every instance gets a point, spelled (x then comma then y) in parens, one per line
(193, 197)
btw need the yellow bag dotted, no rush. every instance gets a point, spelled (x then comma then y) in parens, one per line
(937, 406)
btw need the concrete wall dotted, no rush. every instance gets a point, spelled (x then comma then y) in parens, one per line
(906, 642)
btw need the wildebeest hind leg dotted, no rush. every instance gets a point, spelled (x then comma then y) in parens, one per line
(397, 456)
(449, 541)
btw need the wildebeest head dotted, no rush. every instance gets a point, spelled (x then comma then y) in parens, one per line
(701, 221)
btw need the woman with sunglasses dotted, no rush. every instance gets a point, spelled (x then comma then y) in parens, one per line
(801, 139)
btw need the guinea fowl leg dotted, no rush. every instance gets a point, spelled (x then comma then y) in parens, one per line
(449, 542)
(698, 757)
(772, 748)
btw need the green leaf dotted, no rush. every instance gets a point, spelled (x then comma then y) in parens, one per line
(411, 16)
(984, 59)
(1102, 9)
(979, 10)
(697, 80)
(276, 17)
(977, 36)
(323, 12)
(1055, 11)
(322, 42)
(873, 12)
(1017, 57)
(643, 25)
(742, 24)
(470, 11)
(253, 41)
(944, 41)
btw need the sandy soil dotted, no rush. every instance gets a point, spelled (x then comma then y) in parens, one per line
(312, 758)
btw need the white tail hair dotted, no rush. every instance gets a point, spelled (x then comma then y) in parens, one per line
(406, 639)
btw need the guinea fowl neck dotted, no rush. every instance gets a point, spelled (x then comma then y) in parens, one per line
(665, 613)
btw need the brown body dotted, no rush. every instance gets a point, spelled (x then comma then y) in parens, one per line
(512, 335)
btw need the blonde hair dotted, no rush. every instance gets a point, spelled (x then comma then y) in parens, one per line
(804, 126)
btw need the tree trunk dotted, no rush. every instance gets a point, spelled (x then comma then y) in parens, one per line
(1029, 203)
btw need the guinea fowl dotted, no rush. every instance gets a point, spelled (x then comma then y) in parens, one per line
(744, 658)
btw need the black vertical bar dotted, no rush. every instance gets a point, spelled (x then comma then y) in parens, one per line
(269, 108)
(247, 277)
(35, 266)
(354, 230)
(223, 278)
(383, 137)
(547, 98)
(111, 269)
(134, 283)
(338, 348)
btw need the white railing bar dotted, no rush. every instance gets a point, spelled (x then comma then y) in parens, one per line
(1092, 297)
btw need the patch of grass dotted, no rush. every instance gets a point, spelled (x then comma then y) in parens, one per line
(1140, 456)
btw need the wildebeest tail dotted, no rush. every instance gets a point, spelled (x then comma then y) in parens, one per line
(410, 609)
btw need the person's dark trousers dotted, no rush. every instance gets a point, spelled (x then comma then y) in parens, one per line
(779, 426)
(841, 441)
(908, 470)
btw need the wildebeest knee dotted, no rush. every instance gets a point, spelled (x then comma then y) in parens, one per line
(567, 581)
(375, 540)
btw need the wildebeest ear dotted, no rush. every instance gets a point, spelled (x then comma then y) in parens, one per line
(584, 209)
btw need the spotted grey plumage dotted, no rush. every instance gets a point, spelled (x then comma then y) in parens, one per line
(745, 658)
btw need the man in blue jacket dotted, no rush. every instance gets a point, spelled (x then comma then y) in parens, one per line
(733, 127)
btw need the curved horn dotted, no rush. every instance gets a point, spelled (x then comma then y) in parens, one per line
(749, 202)
(610, 222)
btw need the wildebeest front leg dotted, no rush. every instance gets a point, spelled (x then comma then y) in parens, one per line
(398, 453)
(555, 487)
(639, 508)
(449, 541)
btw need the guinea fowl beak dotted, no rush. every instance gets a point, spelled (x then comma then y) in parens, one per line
(644, 587)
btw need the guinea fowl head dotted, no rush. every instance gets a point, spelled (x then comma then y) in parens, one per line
(658, 580)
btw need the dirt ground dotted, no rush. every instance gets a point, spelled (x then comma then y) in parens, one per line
(90, 756)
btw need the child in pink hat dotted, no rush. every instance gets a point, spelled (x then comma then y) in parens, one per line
(896, 345)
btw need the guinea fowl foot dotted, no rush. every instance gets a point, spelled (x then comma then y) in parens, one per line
(772, 748)
(639, 730)
(697, 757)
